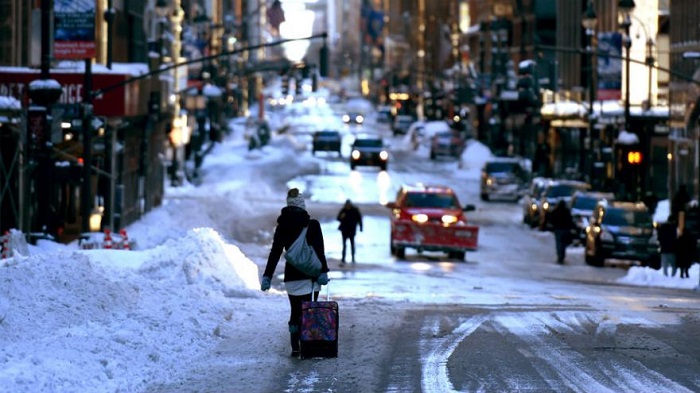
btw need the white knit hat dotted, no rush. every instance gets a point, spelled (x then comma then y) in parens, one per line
(295, 198)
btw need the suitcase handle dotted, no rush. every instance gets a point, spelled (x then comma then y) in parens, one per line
(328, 291)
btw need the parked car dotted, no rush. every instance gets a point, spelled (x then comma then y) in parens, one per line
(531, 201)
(558, 190)
(369, 150)
(431, 218)
(446, 143)
(401, 124)
(328, 140)
(384, 114)
(503, 177)
(623, 230)
(353, 118)
(421, 132)
(582, 205)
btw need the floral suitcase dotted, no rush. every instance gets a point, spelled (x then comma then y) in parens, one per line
(319, 329)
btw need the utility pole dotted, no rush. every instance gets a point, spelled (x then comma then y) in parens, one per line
(420, 80)
(86, 192)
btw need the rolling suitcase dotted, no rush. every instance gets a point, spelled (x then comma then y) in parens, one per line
(319, 329)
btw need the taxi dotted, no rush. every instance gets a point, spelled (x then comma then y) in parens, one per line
(431, 218)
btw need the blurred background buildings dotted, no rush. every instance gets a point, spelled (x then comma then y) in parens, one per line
(556, 81)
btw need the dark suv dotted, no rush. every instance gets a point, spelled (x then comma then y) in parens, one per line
(370, 151)
(623, 230)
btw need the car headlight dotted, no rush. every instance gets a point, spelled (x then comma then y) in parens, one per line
(449, 219)
(383, 155)
(420, 218)
(346, 118)
(489, 181)
(533, 207)
(355, 154)
(359, 119)
(545, 206)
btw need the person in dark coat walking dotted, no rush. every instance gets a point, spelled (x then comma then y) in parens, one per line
(667, 234)
(562, 226)
(350, 218)
(680, 200)
(686, 252)
(292, 219)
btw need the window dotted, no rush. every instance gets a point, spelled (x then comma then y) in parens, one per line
(623, 217)
(443, 201)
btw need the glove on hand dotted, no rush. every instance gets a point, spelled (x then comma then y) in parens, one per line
(322, 279)
(265, 284)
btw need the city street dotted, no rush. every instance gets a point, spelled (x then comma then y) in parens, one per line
(508, 318)
(507, 158)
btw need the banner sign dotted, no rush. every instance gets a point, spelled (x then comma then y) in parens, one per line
(122, 101)
(74, 30)
(609, 67)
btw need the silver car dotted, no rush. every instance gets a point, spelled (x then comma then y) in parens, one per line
(504, 178)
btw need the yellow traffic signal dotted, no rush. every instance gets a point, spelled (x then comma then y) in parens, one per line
(634, 157)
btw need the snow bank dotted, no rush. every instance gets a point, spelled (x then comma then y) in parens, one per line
(99, 320)
(644, 276)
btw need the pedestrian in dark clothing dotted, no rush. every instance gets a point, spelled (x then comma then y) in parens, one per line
(686, 252)
(667, 234)
(292, 219)
(680, 200)
(562, 226)
(350, 218)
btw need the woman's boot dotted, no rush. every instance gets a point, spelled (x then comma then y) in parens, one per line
(294, 338)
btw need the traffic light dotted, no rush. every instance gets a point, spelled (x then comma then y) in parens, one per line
(634, 157)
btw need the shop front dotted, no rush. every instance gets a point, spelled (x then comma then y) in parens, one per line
(116, 120)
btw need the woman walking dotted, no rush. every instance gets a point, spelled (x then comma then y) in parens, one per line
(293, 218)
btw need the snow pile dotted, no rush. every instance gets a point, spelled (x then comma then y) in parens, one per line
(99, 320)
(473, 158)
(644, 276)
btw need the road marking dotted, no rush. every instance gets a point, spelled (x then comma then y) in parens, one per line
(563, 366)
(438, 350)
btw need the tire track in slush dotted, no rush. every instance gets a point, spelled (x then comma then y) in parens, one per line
(434, 371)
(564, 364)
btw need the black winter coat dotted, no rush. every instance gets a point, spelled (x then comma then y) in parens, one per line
(667, 234)
(349, 219)
(686, 250)
(289, 225)
(561, 218)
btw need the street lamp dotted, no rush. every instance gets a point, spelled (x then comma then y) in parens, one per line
(625, 8)
(589, 22)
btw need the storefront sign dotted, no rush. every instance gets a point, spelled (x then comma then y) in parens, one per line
(121, 101)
